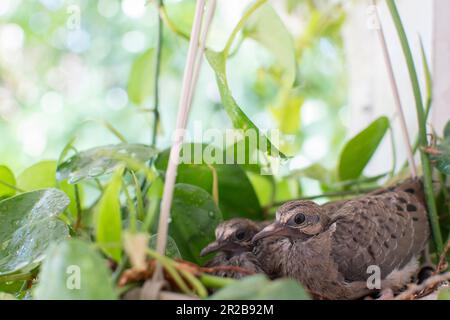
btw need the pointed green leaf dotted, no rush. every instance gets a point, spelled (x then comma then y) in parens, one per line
(360, 149)
(140, 82)
(217, 60)
(108, 218)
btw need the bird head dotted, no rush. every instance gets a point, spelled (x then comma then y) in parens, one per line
(232, 236)
(295, 220)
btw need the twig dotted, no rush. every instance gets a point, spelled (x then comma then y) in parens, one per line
(442, 264)
(415, 291)
(183, 112)
(395, 91)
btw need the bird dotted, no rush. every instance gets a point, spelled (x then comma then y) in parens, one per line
(235, 248)
(332, 250)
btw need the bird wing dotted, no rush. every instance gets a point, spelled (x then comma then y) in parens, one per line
(385, 230)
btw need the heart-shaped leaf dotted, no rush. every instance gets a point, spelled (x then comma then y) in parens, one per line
(259, 287)
(237, 198)
(99, 161)
(360, 149)
(193, 220)
(42, 175)
(29, 225)
(7, 180)
(73, 270)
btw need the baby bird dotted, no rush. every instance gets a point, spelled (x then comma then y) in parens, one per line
(333, 253)
(234, 244)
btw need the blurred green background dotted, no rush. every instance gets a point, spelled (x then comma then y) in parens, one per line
(56, 75)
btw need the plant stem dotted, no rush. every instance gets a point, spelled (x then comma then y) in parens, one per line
(395, 91)
(215, 282)
(159, 44)
(79, 210)
(423, 141)
(182, 117)
(241, 24)
(165, 17)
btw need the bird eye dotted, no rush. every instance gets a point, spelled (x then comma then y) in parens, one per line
(240, 235)
(299, 218)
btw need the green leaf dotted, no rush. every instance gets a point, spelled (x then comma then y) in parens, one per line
(74, 271)
(39, 176)
(140, 81)
(442, 159)
(444, 294)
(108, 218)
(237, 198)
(29, 225)
(447, 130)
(172, 250)
(193, 220)
(103, 160)
(217, 60)
(6, 179)
(43, 175)
(259, 287)
(359, 150)
(266, 27)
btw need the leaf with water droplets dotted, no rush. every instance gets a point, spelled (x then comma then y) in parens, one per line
(192, 226)
(29, 225)
(103, 160)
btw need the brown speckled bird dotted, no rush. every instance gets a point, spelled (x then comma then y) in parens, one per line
(329, 251)
(234, 246)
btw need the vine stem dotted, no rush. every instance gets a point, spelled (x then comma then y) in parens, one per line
(159, 44)
(423, 141)
(395, 91)
(183, 112)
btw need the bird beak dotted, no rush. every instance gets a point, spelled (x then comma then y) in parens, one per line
(274, 229)
(212, 247)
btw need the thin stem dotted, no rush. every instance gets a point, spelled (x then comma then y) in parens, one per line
(165, 17)
(195, 283)
(395, 91)
(159, 45)
(79, 210)
(138, 196)
(394, 151)
(241, 24)
(423, 141)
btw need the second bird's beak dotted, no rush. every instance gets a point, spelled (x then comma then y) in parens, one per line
(274, 229)
(212, 247)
